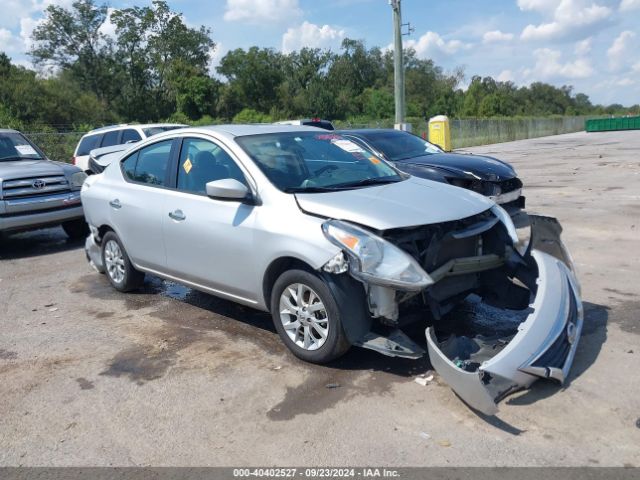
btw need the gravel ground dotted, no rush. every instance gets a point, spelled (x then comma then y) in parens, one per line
(170, 376)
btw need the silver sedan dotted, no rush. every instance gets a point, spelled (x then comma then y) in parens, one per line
(343, 249)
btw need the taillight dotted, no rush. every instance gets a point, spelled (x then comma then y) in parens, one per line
(73, 160)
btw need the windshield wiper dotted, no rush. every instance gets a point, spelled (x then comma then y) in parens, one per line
(369, 181)
(309, 189)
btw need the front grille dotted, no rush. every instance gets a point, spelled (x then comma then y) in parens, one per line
(556, 355)
(34, 186)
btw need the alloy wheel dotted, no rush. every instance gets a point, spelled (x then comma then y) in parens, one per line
(114, 261)
(304, 316)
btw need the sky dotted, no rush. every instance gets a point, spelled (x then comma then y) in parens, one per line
(593, 45)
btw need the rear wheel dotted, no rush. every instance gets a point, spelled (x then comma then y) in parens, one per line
(76, 229)
(121, 273)
(307, 317)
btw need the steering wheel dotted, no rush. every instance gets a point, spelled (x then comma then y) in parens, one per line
(325, 169)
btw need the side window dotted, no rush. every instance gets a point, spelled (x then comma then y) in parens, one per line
(202, 161)
(87, 144)
(110, 138)
(130, 135)
(129, 166)
(150, 164)
(153, 162)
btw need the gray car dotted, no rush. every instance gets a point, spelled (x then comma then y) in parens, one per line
(36, 192)
(343, 249)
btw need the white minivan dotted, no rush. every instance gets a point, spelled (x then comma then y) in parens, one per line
(115, 135)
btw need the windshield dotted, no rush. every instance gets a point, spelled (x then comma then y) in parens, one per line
(316, 162)
(14, 146)
(397, 146)
(151, 131)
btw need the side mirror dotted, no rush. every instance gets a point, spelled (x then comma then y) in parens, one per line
(227, 189)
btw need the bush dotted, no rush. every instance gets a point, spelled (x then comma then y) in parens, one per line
(248, 115)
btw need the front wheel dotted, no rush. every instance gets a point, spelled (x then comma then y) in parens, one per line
(121, 273)
(307, 317)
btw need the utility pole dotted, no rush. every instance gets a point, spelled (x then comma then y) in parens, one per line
(398, 64)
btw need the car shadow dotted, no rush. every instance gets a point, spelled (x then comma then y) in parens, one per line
(36, 243)
(358, 359)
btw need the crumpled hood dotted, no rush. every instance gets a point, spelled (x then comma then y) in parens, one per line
(412, 202)
(29, 168)
(484, 168)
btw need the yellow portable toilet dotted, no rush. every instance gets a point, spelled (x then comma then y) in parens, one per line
(440, 132)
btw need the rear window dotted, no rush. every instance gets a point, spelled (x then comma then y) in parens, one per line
(130, 135)
(87, 144)
(111, 138)
(320, 124)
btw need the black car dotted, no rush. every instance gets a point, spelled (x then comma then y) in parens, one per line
(411, 154)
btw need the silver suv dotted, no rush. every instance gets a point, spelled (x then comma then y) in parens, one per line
(342, 249)
(36, 192)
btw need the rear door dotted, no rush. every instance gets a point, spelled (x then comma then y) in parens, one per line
(138, 204)
(209, 242)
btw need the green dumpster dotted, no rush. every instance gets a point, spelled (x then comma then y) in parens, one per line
(611, 124)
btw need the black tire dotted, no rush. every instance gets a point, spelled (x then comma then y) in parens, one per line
(76, 229)
(336, 343)
(132, 279)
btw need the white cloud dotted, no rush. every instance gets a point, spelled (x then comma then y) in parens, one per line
(496, 36)
(27, 26)
(505, 76)
(432, 44)
(537, 5)
(215, 55)
(569, 18)
(108, 28)
(311, 35)
(262, 11)
(625, 82)
(549, 67)
(636, 67)
(583, 47)
(627, 5)
(9, 43)
(620, 49)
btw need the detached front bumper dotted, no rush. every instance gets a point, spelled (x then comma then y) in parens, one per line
(543, 347)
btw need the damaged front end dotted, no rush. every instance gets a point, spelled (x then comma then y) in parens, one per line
(502, 309)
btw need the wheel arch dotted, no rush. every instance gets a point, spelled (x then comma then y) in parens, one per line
(276, 268)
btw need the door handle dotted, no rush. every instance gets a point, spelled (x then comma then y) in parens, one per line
(115, 203)
(178, 215)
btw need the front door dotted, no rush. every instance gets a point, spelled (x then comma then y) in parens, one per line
(209, 242)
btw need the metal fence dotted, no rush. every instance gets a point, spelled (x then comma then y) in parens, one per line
(57, 146)
(469, 132)
(464, 132)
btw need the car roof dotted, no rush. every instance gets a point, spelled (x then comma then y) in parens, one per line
(252, 129)
(8, 130)
(111, 128)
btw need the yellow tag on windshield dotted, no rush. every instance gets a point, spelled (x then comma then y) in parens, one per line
(374, 160)
(187, 165)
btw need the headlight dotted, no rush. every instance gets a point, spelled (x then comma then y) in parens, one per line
(375, 260)
(519, 238)
(77, 179)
